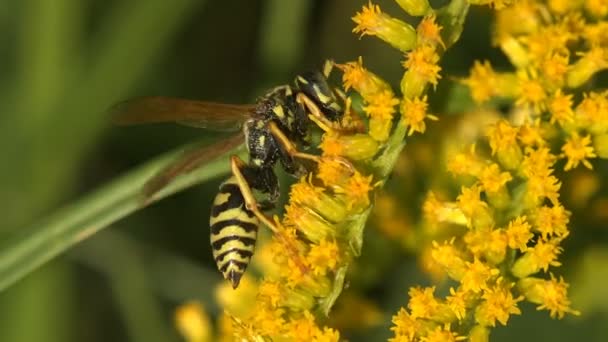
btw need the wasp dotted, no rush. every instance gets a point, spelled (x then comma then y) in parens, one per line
(274, 130)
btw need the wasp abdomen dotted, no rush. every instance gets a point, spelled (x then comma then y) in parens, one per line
(234, 231)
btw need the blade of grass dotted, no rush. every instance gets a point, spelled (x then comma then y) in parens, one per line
(37, 244)
(116, 257)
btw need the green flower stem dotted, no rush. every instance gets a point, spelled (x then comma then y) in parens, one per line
(37, 244)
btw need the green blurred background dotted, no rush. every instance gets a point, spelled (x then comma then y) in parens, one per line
(64, 62)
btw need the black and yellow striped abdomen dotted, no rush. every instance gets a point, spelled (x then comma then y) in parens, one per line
(234, 231)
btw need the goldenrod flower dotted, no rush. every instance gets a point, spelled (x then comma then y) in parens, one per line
(405, 326)
(466, 163)
(592, 113)
(590, 63)
(551, 294)
(532, 94)
(596, 8)
(560, 107)
(372, 21)
(518, 233)
(552, 221)
(537, 162)
(366, 83)
(577, 149)
(193, 323)
(477, 276)
(482, 81)
(493, 182)
(429, 31)
(537, 258)
(323, 257)
(357, 191)
(304, 329)
(442, 334)
(554, 69)
(502, 137)
(414, 113)
(422, 68)
(531, 134)
(498, 305)
(449, 257)
(381, 107)
(422, 302)
(476, 210)
(458, 302)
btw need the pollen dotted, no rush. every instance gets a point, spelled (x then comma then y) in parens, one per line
(414, 113)
(577, 150)
(423, 303)
(423, 61)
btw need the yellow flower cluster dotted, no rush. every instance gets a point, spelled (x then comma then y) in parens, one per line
(498, 239)
(509, 202)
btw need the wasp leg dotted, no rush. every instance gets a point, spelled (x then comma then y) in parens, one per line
(290, 149)
(315, 114)
(252, 205)
(288, 146)
(250, 202)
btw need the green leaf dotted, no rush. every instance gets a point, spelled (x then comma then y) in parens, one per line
(37, 244)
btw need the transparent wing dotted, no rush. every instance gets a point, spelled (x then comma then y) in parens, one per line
(190, 160)
(156, 109)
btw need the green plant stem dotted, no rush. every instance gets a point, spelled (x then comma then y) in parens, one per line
(37, 244)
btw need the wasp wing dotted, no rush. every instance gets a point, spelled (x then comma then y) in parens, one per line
(190, 160)
(156, 109)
